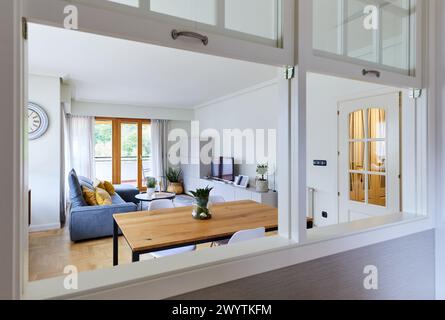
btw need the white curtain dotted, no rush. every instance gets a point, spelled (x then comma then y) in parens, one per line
(81, 145)
(159, 142)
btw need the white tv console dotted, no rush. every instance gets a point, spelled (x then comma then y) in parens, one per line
(232, 193)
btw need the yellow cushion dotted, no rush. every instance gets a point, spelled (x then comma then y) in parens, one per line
(103, 197)
(99, 184)
(109, 187)
(89, 196)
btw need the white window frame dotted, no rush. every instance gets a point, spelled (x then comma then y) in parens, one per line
(175, 275)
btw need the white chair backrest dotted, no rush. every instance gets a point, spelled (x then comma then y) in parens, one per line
(246, 235)
(216, 200)
(161, 204)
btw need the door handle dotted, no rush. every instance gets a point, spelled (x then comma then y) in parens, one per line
(176, 34)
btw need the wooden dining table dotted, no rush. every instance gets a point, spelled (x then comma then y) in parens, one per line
(158, 230)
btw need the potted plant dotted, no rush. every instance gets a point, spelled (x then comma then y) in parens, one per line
(200, 208)
(262, 184)
(174, 178)
(150, 182)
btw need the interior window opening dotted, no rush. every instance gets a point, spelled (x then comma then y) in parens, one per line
(139, 152)
(364, 151)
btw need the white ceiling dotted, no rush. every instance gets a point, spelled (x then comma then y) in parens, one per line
(104, 69)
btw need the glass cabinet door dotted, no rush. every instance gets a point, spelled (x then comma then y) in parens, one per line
(377, 32)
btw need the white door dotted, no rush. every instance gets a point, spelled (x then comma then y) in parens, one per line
(369, 157)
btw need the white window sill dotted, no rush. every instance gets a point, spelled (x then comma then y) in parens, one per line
(222, 264)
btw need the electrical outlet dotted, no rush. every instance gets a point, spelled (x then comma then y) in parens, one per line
(324, 214)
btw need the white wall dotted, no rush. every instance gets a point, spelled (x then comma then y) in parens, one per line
(324, 92)
(127, 111)
(45, 156)
(254, 108)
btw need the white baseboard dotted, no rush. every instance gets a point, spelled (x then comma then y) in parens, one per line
(44, 227)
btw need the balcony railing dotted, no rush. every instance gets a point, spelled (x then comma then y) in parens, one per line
(129, 168)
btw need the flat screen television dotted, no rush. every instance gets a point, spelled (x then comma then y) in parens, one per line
(223, 169)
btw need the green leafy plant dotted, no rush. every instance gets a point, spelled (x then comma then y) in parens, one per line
(174, 175)
(150, 182)
(262, 170)
(202, 199)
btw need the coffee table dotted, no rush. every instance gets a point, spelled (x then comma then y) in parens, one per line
(144, 197)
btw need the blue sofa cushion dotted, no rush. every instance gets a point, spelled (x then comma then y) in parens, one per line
(86, 182)
(127, 192)
(76, 196)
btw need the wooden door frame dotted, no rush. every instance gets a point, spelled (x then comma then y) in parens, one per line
(116, 146)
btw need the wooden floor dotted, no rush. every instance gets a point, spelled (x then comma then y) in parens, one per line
(51, 251)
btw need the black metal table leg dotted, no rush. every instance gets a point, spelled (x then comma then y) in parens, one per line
(135, 257)
(115, 243)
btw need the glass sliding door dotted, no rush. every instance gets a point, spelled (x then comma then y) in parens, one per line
(123, 151)
(129, 153)
(103, 148)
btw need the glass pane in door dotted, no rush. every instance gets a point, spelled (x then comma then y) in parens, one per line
(129, 153)
(327, 30)
(357, 156)
(357, 187)
(377, 156)
(357, 125)
(103, 149)
(377, 190)
(376, 123)
(396, 16)
(255, 17)
(146, 151)
(203, 11)
(361, 42)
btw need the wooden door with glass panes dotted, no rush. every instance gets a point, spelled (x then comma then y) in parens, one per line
(369, 157)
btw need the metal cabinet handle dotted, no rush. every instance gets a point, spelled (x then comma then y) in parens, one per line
(176, 34)
(374, 72)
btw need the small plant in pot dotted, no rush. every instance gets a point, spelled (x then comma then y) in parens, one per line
(262, 184)
(174, 178)
(150, 182)
(200, 208)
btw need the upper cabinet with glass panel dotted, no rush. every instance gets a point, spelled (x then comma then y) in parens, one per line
(376, 32)
(254, 20)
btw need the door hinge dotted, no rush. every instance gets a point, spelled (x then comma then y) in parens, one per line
(339, 194)
(24, 28)
(338, 112)
(289, 73)
(415, 93)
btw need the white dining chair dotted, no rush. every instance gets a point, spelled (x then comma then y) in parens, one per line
(161, 204)
(243, 235)
(167, 204)
(246, 235)
(216, 200)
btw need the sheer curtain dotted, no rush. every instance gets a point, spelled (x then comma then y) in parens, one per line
(81, 145)
(159, 140)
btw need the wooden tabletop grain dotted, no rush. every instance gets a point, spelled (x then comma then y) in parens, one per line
(150, 230)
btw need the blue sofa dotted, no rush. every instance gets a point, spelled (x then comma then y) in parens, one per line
(91, 222)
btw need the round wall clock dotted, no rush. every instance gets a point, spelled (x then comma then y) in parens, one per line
(38, 121)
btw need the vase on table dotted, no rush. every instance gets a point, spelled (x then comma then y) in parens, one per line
(201, 209)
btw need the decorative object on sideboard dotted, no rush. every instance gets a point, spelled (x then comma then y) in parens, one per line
(38, 121)
(151, 183)
(241, 182)
(175, 182)
(262, 184)
(201, 209)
